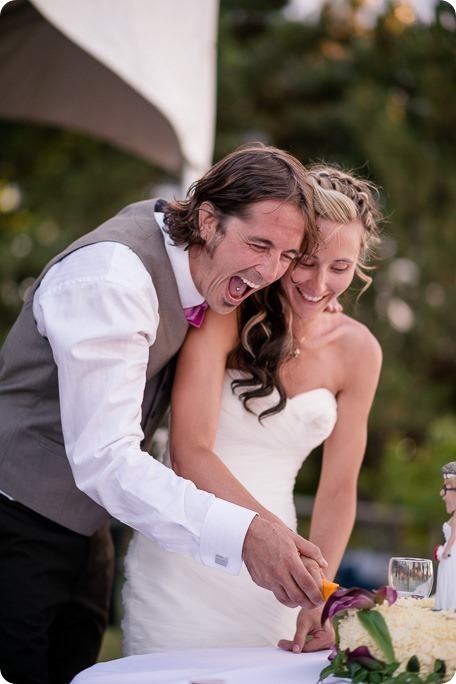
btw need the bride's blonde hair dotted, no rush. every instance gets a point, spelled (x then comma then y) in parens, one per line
(342, 197)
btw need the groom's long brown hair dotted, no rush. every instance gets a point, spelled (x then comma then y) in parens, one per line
(252, 173)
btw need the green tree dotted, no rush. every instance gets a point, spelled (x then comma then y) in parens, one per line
(378, 98)
(55, 186)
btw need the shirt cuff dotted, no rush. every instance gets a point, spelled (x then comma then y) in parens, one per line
(223, 534)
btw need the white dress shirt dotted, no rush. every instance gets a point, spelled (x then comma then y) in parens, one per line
(98, 308)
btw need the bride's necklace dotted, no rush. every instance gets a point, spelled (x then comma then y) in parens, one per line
(295, 352)
(297, 343)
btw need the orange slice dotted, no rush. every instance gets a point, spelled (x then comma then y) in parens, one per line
(328, 588)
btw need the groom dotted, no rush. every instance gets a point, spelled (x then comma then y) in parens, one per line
(85, 377)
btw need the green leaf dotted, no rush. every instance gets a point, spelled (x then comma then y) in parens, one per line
(326, 671)
(413, 664)
(340, 667)
(390, 668)
(335, 623)
(433, 678)
(374, 623)
(440, 667)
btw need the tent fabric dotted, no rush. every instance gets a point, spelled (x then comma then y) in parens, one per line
(138, 74)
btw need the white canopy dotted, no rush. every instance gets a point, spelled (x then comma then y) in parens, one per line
(139, 74)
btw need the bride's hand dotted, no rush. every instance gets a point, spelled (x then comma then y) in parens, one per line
(309, 635)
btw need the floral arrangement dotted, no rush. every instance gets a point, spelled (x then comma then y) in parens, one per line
(381, 639)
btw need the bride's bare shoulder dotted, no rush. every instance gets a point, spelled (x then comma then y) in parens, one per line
(356, 340)
(359, 341)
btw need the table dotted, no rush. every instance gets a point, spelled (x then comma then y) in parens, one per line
(210, 666)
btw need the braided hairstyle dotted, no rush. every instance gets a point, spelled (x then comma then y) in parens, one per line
(264, 318)
(341, 197)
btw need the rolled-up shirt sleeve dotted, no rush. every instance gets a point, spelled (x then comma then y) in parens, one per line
(99, 311)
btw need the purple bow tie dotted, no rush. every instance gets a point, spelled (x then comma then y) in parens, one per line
(195, 314)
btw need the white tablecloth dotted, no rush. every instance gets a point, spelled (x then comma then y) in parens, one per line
(210, 666)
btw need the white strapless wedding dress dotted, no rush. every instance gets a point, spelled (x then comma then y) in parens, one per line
(171, 601)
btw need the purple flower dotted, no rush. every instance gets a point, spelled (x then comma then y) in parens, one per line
(385, 594)
(363, 657)
(362, 599)
(334, 651)
(342, 599)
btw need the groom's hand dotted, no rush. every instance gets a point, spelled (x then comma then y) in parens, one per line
(334, 306)
(272, 554)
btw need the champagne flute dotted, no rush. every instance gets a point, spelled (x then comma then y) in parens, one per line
(412, 577)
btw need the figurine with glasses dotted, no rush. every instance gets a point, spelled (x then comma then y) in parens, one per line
(445, 596)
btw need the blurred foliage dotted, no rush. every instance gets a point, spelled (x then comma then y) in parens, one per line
(111, 647)
(375, 95)
(55, 186)
(408, 475)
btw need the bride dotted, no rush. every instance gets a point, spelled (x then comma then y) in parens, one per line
(247, 410)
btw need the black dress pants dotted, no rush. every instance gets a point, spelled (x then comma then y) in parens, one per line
(54, 596)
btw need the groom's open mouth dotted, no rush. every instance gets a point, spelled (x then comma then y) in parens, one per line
(239, 288)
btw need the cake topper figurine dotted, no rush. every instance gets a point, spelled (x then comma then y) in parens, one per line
(445, 595)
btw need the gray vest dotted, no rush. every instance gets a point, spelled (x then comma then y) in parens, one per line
(34, 468)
